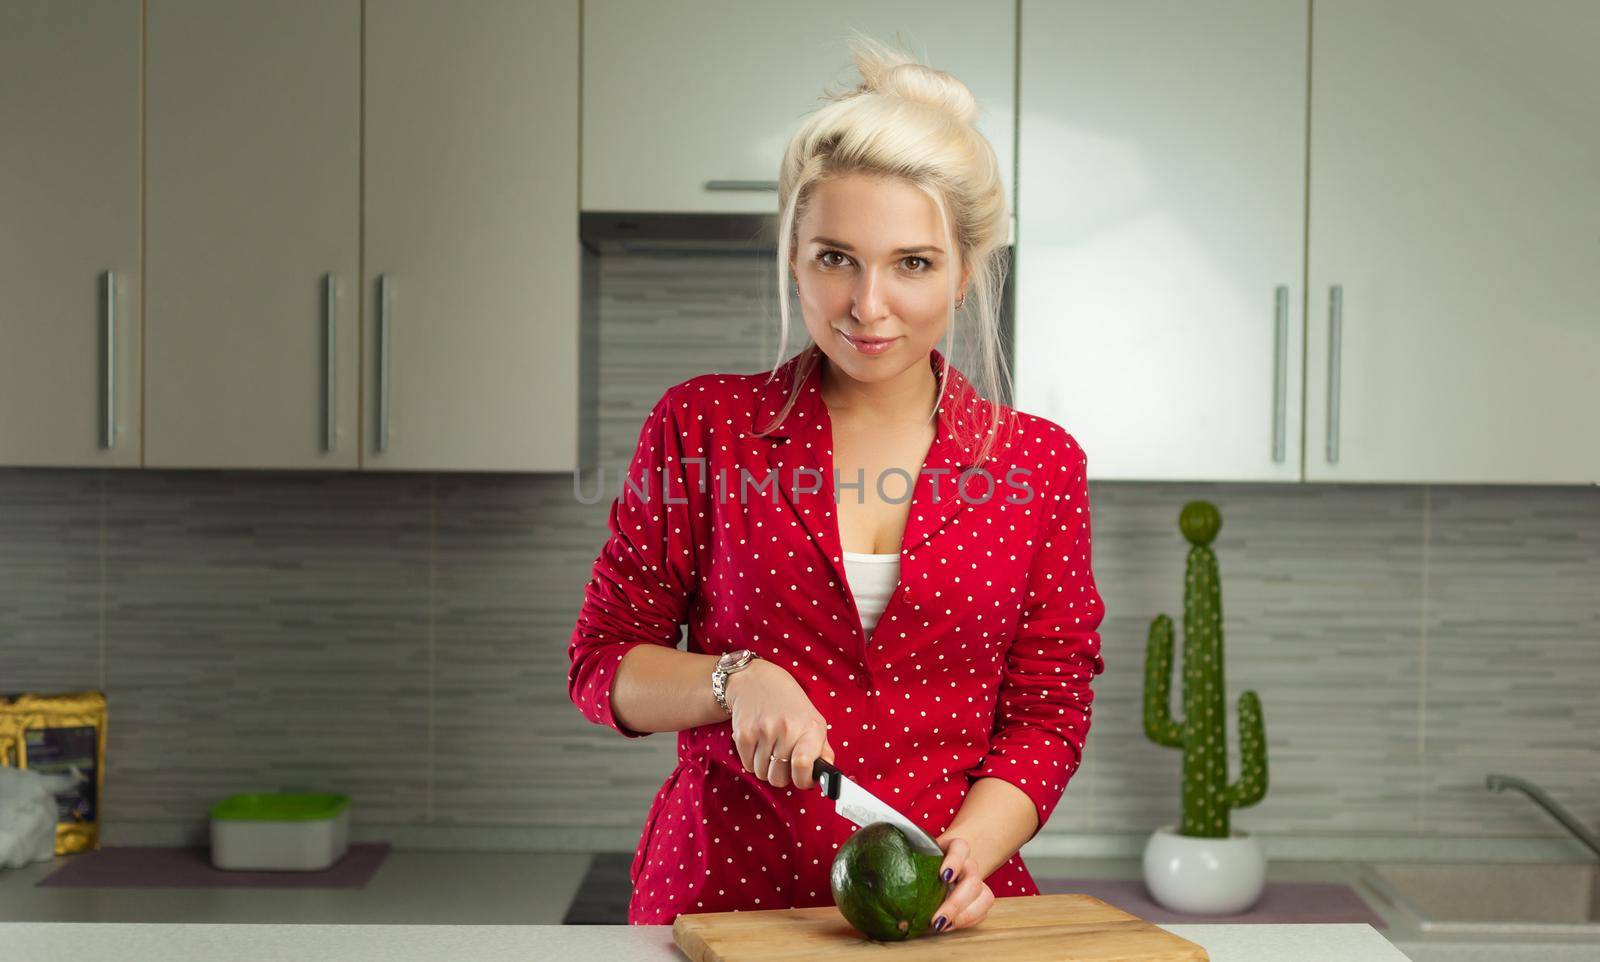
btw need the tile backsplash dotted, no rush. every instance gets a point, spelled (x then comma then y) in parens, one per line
(402, 637)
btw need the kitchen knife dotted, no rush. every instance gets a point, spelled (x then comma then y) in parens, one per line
(862, 807)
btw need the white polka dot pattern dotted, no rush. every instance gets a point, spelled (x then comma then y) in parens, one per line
(979, 666)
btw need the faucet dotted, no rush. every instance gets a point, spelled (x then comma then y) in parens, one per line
(1501, 782)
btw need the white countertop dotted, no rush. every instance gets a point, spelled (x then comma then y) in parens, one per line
(502, 901)
(207, 942)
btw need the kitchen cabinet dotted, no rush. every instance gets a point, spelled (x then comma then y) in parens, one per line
(471, 255)
(1377, 263)
(70, 325)
(1160, 234)
(283, 191)
(1454, 321)
(688, 105)
(253, 231)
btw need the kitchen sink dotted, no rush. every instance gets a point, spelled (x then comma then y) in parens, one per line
(1538, 898)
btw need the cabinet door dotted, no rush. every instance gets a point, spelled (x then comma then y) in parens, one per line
(1455, 208)
(689, 104)
(1160, 233)
(69, 233)
(471, 243)
(252, 220)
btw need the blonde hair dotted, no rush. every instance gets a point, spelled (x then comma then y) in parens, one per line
(909, 121)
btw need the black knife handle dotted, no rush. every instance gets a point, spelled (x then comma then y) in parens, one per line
(827, 778)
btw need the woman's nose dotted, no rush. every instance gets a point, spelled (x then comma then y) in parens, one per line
(870, 302)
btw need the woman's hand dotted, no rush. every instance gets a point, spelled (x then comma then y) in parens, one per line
(773, 716)
(969, 898)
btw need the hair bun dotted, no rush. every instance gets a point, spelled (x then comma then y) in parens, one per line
(885, 69)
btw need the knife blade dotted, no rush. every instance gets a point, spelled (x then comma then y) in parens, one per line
(862, 807)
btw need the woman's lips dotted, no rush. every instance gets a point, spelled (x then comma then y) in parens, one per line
(869, 347)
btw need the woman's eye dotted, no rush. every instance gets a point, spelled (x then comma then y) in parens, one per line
(923, 265)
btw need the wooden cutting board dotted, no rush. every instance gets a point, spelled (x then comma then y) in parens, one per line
(1027, 928)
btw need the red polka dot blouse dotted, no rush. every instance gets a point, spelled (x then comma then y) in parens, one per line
(980, 666)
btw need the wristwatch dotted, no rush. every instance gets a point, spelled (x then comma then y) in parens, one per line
(726, 665)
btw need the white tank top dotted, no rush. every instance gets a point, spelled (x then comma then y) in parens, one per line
(873, 578)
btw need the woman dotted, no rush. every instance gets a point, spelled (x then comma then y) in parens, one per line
(942, 646)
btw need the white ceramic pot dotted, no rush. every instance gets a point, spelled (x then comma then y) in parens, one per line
(1204, 876)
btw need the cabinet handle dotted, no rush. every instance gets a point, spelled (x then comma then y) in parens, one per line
(762, 185)
(330, 320)
(1335, 335)
(383, 362)
(108, 433)
(1280, 371)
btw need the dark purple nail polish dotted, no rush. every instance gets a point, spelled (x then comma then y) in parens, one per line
(939, 924)
(948, 872)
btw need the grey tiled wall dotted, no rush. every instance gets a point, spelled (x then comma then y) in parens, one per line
(403, 638)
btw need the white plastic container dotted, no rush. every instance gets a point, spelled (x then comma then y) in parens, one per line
(280, 832)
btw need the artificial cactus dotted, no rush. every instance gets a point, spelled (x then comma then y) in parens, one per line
(1207, 796)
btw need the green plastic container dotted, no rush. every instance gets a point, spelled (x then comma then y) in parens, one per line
(290, 832)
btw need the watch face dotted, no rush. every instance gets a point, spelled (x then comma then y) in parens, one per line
(729, 660)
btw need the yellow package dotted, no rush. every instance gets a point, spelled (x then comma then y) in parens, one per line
(10, 741)
(60, 733)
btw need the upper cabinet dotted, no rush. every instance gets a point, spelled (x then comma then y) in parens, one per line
(1454, 322)
(253, 233)
(254, 218)
(1254, 243)
(1160, 234)
(688, 105)
(471, 275)
(1448, 327)
(69, 234)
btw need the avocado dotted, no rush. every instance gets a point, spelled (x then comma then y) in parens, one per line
(885, 888)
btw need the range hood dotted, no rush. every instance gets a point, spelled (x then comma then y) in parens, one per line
(612, 232)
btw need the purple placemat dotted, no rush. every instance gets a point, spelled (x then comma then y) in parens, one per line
(1279, 902)
(168, 868)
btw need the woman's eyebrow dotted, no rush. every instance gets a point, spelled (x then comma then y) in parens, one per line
(830, 242)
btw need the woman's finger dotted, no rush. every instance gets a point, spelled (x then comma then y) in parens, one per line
(783, 758)
(745, 746)
(967, 888)
(759, 762)
(955, 856)
(803, 756)
(974, 912)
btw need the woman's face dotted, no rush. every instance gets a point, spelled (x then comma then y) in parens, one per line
(871, 262)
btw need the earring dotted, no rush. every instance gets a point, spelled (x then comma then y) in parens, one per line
(960, 300)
